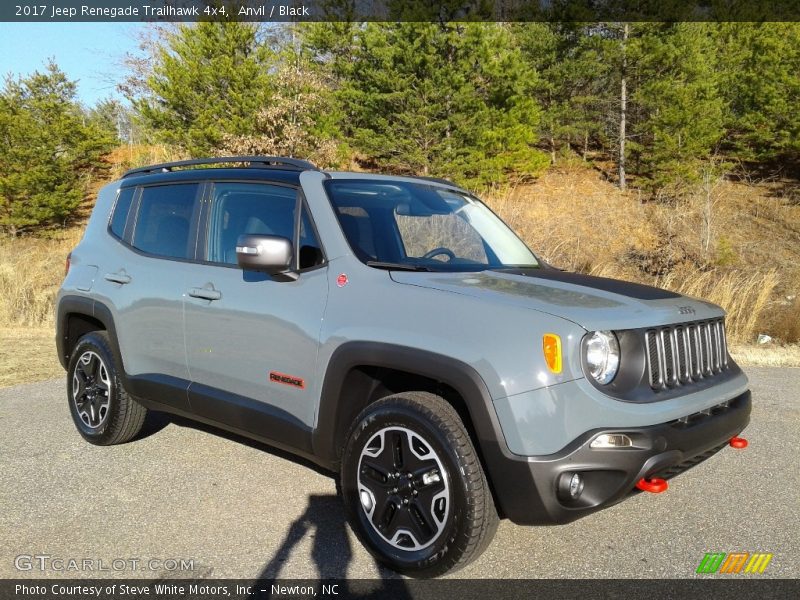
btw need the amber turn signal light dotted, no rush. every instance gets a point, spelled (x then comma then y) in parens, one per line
(551, 345)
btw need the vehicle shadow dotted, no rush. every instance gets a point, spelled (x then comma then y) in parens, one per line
(153, 423)
(324, 522)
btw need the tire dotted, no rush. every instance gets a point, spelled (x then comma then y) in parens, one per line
(436, 521)
(103, 412)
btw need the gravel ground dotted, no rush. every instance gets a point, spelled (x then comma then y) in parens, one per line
(240, 510)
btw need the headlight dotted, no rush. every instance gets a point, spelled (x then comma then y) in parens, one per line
(602, 356)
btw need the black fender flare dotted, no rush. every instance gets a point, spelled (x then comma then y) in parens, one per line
(82, 305)
(327, 438)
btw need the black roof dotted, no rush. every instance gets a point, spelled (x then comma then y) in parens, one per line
(230, 174)
(255, 162)
(281, 168)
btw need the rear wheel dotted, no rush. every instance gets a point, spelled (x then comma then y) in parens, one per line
(103, 412)
(414, 488)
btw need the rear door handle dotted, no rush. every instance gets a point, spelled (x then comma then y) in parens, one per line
(120, 277)
(205, 293)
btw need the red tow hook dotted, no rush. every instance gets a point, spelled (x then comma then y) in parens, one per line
(656, 485)
(738, 443)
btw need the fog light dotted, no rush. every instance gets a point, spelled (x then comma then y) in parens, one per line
(612, 440)
(570, 486)
(575, 486)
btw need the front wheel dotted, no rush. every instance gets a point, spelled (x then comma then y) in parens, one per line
(413, 486)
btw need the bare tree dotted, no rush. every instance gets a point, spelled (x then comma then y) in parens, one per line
(623, 98)
(709, 197)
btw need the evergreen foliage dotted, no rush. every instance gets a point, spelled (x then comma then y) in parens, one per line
(48, 147)
(481, 103)
(209, 81)
(453, 100)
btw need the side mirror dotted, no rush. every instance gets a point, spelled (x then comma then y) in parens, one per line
(271, 254)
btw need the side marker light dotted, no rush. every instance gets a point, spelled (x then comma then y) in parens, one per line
(551, 346)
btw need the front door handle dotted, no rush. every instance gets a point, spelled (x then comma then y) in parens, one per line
(120, 277)
(205, 293)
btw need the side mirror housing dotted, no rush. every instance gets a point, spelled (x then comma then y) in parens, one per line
(271, 254)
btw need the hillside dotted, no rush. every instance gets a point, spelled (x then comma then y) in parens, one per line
(573, 218)
(749, 262)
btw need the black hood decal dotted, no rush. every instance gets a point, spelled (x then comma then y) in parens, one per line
(615, 286)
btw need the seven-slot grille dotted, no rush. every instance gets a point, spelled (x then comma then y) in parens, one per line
(685, 353)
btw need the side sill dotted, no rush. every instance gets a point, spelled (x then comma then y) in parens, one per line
(236, 414)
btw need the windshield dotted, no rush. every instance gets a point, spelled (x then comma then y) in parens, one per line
(392, 224)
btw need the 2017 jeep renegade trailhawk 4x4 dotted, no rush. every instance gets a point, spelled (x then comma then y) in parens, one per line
(393, 330)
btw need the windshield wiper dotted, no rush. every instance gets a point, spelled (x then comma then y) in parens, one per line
(512, 268)
(395, 266)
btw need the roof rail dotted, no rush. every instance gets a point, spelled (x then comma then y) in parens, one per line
(258, 162)
(438, 180)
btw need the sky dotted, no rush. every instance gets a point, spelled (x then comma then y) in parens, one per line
(87, 52)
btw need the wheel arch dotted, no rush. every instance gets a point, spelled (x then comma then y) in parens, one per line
(77, 316)
(360, 373)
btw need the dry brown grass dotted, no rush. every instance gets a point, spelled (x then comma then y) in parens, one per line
(27, 354)
(127, 157)
(31, 269)
(576, 220)
(752, 355)
(744, 295)
(784, 320)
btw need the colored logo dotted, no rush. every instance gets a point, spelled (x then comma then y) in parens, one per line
(734, 563)
(285, 379)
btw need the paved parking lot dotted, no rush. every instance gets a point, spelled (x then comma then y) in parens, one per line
(241, 510)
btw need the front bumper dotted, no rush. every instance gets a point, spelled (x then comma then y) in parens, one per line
(610, 475)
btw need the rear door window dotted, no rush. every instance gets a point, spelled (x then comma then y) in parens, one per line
(164, 222)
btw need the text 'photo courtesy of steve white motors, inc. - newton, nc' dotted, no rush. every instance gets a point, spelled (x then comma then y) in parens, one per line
(175, 589)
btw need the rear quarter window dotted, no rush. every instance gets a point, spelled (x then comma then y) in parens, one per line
(121, 209)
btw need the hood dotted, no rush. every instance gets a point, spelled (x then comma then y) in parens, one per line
(594, 303)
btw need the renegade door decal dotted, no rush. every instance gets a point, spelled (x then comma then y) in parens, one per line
(297, 382)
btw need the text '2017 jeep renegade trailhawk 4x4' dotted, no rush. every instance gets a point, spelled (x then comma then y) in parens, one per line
(393, 330)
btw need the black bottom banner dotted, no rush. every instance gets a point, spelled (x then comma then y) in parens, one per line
(460, 589)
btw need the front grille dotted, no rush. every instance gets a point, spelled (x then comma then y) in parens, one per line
(686, 353)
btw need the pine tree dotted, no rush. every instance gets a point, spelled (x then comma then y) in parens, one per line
(445, 99)
(48, 148)
(300, 119)
(574, 86)
(113, 117)
(210, 80)
(760, 69)
(645, 95)
(681, 108)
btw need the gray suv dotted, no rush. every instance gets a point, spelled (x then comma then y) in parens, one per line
(396, 332)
